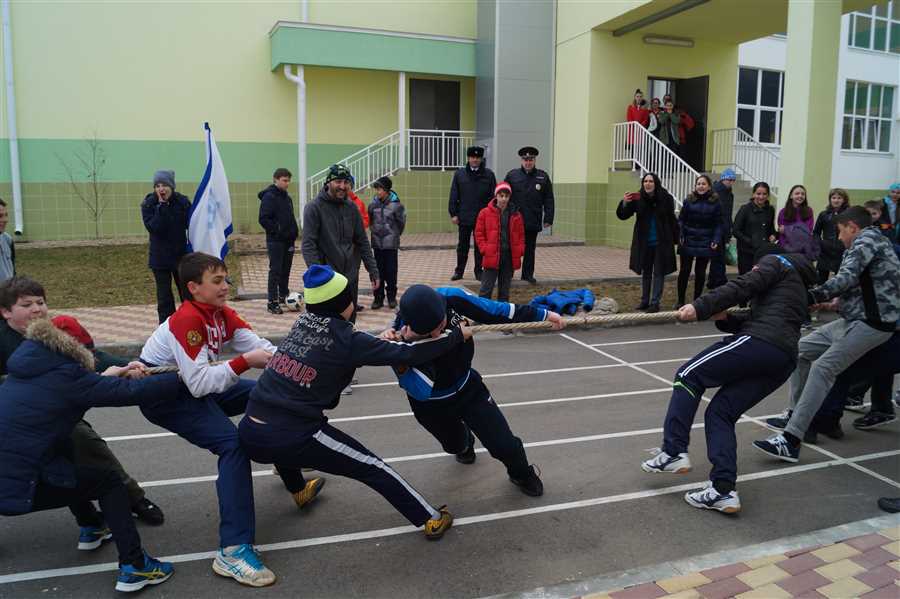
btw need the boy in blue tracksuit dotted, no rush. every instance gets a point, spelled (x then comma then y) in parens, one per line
(285, 422)
(447, 395)
(753, 362)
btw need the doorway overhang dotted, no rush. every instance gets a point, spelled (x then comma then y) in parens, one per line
(311, 44)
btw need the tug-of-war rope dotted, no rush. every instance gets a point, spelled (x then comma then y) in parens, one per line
(607, 305)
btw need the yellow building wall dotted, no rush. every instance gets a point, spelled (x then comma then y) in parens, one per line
(571, 109)
(455, 18)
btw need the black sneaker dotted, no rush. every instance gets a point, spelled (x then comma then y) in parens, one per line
(456, 276)
(652, 308)
(274, 308)
(889, 504)
(642, 306)
(780, 448)
(835, 432)
(377, 305)
(873, 420)
(148, 512)
(478, 274)
(531, 484)
(467, 456)
(392, 304)
(779, 422)
(855, 403)
(811, 436)
(531, 280)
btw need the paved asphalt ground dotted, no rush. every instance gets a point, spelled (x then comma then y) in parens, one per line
(588, 404)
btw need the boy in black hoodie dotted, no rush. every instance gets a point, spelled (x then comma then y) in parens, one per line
(754, 361)
(276, 216)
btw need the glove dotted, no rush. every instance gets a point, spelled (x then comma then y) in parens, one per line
(814, 296)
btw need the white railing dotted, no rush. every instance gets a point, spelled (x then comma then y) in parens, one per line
(647, 154)
(737, 149)
(368, 164)
(425, 149)
(438, 149)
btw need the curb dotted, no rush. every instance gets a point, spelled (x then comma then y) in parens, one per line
(636, 576)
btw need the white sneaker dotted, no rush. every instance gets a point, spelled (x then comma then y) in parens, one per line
(243, 563)
(663, 462)
(708, 498)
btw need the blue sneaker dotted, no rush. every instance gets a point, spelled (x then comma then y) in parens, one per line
(133, 579)
(92, 537)
(243, 563)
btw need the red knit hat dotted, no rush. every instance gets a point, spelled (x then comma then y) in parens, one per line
(68, 324)
(502, 186)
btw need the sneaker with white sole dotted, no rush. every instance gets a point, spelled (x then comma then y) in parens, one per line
(91, 537)
(779, 447)
(780, 422)
(243, 563)
(663, 462)
(708, 498)
(132, 578)
(873, 420)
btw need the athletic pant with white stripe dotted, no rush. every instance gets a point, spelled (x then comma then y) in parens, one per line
(746, 370)
(329, 450)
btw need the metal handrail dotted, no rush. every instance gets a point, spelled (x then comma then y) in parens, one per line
(749, 157)
(633, 143)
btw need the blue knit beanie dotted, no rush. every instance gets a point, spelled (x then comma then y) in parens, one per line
(728, 173)
(422, 308)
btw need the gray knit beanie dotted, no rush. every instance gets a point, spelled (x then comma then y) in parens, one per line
(165, 177)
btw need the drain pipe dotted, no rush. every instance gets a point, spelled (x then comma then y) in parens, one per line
(11, 118)
(300, 82)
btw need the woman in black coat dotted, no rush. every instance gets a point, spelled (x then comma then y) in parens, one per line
(700, 221)
(754, 225)
(653, 241)
(825, 230)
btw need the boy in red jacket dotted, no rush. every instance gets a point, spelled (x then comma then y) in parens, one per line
(500, 235)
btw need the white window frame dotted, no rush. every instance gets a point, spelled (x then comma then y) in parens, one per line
(758, 107)
(867, 118)
(892, 18)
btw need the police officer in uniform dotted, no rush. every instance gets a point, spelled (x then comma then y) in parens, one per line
(470, 191)
(533, 194)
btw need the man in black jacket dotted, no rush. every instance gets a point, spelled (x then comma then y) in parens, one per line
(754, 361)
(470, 191)
(533, 194)
(165, 214)
(276, 216)
(723, 189)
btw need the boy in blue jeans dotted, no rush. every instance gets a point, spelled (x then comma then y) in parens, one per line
(753, 362)
(192, 338)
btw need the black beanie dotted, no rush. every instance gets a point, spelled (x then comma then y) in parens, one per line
(422, 308)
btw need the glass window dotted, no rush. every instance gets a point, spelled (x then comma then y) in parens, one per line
(760, 104)
(747, 86)
(771, 80)
(868, 111)
(877, 28)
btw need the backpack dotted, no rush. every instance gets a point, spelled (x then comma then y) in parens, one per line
(798, 240)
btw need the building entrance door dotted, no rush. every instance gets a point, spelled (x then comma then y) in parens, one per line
(691, 96)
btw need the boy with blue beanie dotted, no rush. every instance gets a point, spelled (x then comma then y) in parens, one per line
(448, 396)
(285, 422)
(723, 189)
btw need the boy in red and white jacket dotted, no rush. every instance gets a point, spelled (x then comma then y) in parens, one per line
(192, 338)
(500, 235)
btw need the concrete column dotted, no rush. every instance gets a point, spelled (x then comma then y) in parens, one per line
(807, 130)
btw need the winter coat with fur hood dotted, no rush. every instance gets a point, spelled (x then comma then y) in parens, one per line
(51, 384)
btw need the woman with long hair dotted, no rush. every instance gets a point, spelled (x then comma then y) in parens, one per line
(637, 112)
(700, 223)
(653, 241)
(825, 232)
(754, 225)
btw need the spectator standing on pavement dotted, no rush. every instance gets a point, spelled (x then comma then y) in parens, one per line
(333, 233)
(165, 214)
(388, 218)
(500, 234)
(723, 189)
(700, 226)
(533, 191)
(471, 189)
(892, 203)
(754, 226)
(825, 231)
(7, 247)
(276, 216)
(654, 237)
(796, 211)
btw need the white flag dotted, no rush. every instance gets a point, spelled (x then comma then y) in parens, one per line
(209, 224)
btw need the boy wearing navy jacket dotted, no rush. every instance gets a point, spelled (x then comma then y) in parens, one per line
(447, 395)
(285, 422)
(753, 362)
(50, 386)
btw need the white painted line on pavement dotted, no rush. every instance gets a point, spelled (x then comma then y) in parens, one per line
(757, 421)
(463, 521)
(612, 343)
